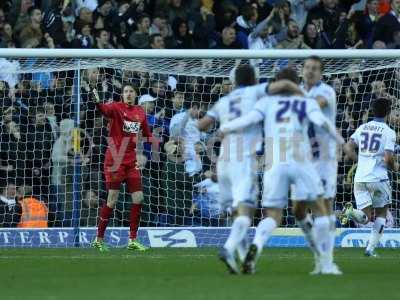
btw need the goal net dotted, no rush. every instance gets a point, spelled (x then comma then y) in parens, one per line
(53, 139)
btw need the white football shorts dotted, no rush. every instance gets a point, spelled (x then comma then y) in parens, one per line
(302, 177)
(375, 194)
(327, 170)
(237, 182)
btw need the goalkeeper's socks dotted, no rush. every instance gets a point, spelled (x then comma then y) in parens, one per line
(376, 233)
(322, 237)
(359, 216)
(263, 232)
(306, 226)
(135, 220)
(105, 215)
(239, 229)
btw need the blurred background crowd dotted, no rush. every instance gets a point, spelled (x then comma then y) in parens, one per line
(38, 109)
(202, 24)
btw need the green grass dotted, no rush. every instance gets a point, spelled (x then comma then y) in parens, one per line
(190, 274)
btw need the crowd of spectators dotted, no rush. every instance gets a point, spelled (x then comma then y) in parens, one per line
(202, 24)
(38, 110)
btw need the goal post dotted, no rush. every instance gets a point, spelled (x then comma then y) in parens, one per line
(53, 139)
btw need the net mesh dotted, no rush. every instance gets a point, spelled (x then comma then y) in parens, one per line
(39, 107)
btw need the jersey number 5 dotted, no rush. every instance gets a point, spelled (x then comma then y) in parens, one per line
(234, 110)
(370, 143)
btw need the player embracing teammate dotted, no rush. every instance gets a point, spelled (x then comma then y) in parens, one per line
(236, 163)
(287, 118)
(324, 148)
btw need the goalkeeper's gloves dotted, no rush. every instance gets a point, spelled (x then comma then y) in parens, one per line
(96, 96)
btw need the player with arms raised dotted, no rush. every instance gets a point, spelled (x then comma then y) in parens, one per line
(375, 141)
(126, 121)
(288, 162)
(237, 155)
(324, 154)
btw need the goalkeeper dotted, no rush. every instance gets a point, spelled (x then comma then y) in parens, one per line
(126, 121)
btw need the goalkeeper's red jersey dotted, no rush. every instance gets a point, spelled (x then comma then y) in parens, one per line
(124, 124)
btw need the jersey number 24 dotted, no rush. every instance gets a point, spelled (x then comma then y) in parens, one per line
(297, 106)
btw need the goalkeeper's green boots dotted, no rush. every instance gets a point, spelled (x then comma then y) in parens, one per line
(100, 245)
(136, 245)
(346, 213)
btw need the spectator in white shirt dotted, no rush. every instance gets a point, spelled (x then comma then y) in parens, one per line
(90, 4)
(8, 73)
(263, 38)
(184, 126)
(300, 10)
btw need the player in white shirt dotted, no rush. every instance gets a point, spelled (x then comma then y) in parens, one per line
(288, 162)
(375, 141)
(237, 154)
(324, 148)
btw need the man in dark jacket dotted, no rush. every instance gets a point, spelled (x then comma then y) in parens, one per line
(329, 12)
(10, 210)
(388, 24)
(40, 142)
(367, 22)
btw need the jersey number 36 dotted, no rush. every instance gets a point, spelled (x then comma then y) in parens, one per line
(370, 143)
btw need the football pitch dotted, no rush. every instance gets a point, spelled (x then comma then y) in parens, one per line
(191, 274)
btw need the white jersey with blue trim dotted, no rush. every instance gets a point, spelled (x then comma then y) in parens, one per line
(286, 122)
(234, 105)
(373, 139)
(327, 145)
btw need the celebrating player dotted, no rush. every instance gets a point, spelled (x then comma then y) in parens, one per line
(239, 194)
(126, 120)
(325, 160)
(286, 120)
(375, 141)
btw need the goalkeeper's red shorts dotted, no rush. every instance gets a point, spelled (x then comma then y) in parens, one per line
(126, 172)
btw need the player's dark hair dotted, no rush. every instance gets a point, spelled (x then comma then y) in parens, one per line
(245, 75)
(131, 85)
(317, 59)
(288, 74)
(381, 107)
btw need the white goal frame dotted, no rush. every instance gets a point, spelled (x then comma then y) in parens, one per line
(182, 54)
(200, 53)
